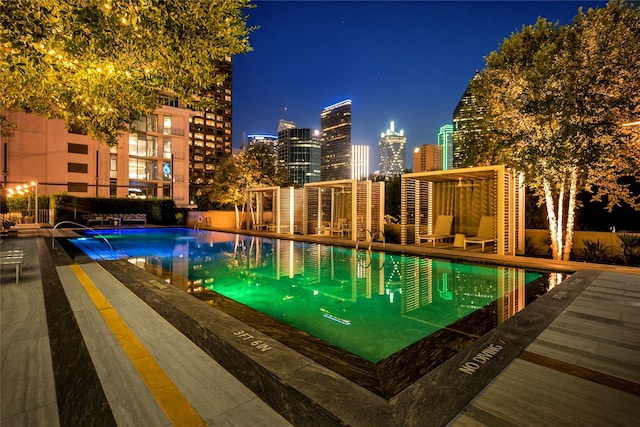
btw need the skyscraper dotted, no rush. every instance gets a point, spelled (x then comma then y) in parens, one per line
(467, 120)
(445, 140)
(392, 151)
(285, 124)
(270, 140)
(335, 121)
(359, 162)
(210, 135)
(298, 152)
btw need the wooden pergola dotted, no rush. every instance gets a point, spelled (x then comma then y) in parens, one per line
(468, 195)
(350, 208)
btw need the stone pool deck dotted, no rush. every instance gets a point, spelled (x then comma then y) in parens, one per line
(86, 343)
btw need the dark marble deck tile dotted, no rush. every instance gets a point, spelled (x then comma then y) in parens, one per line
(351, 402)
(81, 399)
(428, 403)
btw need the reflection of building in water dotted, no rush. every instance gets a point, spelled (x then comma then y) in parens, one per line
(422, 287)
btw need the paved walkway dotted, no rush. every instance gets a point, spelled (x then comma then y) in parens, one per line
(78, 348)
(142, 365)
(583, 369)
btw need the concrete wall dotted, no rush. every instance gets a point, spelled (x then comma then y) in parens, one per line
(214, 219)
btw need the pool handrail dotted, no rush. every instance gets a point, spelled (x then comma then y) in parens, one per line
(371, 236)
(53, 240)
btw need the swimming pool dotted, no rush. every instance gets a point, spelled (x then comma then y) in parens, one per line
(374, 305)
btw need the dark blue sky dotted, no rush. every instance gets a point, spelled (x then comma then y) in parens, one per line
(407, 61)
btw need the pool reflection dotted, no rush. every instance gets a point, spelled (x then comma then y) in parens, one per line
(372, 304)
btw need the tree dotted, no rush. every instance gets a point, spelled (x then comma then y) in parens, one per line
(556, 100)
(253, 168)
(100, 64)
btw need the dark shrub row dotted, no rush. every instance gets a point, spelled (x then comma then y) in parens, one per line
(71, 208)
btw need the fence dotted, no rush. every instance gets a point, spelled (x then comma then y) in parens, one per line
(28, 216)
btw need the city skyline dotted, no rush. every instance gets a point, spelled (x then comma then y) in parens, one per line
(406, 61)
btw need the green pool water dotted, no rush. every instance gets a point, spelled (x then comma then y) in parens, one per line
(372, 304)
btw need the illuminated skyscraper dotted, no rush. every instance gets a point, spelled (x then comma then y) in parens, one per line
(359, 162)
(270, 140)
(392, 151)
(467, 119)
(298, 152)
(210, 134)
(445, 141)
(285, 124)
(335, 121)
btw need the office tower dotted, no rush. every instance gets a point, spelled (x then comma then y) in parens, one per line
(359, 162)
(392, 151)
(335, 121)
(298, 152)
(445, 141)
(467, 121)
(270, 140)
(285, 124)
(210, 135)
(427, 157)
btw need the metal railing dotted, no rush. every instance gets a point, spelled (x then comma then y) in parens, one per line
(369, 236)
(53, 240)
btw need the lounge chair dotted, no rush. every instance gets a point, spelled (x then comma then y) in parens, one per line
(485, 232)
(340, 228)
(441, 231)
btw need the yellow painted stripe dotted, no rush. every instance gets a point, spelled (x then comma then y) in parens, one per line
(173, 403)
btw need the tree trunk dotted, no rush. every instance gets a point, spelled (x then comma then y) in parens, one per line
(573, 189)
(551, 215)
(560, 217)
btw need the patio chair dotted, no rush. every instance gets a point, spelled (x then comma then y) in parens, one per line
(485, 233)
(340, 228)
(441, 231)
(13, 258)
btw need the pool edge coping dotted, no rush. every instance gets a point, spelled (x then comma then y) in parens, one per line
(439, 395)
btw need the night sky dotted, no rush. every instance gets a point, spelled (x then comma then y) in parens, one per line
(406, 61)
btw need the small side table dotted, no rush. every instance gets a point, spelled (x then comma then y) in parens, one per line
(458, 240)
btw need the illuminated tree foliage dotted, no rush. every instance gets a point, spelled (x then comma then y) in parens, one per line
(99, 64)
(254, 167)
(555, 101)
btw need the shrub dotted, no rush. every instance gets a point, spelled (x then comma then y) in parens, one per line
(630, 248)
(594, 251)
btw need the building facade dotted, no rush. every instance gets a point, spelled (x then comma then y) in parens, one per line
(467, 117)
(210, 140)
(150, 161)
(392, 152)
(270, 140)
(359, 162)
(335, 121)
(298, 152)
(445, 141)
(427, 157)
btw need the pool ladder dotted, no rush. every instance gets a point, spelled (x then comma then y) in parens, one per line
(369, 234)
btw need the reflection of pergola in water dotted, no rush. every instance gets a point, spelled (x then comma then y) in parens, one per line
(356, 206)
(468, 195)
